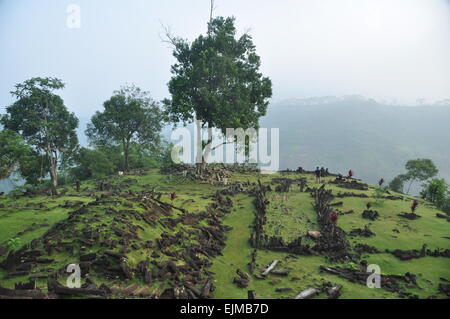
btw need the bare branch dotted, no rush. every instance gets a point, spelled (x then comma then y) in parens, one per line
(167, 37)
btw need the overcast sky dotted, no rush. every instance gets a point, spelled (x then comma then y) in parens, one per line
(384, 49)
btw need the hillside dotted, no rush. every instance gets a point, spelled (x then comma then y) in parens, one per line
(213, 238)
(373, 139)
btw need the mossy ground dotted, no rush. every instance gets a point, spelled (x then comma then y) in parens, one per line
(289, 215)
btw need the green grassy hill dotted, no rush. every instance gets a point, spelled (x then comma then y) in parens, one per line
(132, 240)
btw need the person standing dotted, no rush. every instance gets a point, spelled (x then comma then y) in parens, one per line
(317, 172)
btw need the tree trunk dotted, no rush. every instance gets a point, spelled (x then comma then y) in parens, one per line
(208, 147)
(53, 170)
(409, 187)
(125, 151)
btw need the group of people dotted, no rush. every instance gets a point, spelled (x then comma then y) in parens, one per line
(320, 173)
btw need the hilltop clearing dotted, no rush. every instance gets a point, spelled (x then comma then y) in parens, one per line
(172, 234)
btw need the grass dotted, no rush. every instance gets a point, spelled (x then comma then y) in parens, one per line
(289, 216)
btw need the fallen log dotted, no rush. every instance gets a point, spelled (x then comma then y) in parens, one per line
(22, 294)
(206, 289)
(16, 274)
(308, 293)
(114, 255)
(270, 268)
(241, 282)
(280, 272)
(57, 288)
(31, 285)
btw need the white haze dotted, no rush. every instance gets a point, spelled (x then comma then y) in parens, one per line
(393, 50)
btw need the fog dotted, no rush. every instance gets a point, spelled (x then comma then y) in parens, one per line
(396, 51)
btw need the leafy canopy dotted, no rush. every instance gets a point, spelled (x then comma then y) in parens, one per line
(217, 80)
(13, 150)
(421, 169)
(91, 164)
(130, 115)
(41, 117)
(44, 122)
(435, 191)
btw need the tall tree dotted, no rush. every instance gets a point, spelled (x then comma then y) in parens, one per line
(130, 115)
(420, 170)
(217, 81)
(43, 120)
(13, 150)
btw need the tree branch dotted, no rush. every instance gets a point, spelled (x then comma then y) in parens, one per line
(168, 36)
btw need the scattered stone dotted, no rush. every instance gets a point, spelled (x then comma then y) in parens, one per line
(334, 292)
(366, 232)
(370, 214)
(410, 216)
(314, 234)
(283, 289)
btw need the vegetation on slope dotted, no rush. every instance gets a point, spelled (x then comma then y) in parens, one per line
(132, 232)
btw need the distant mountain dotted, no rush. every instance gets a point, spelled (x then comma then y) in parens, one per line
(372, 139)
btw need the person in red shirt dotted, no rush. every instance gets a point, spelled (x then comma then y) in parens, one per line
(333, 219)
(350, 174)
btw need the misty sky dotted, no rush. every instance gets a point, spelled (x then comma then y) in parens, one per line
(382, 49)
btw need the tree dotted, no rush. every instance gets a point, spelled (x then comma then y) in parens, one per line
(43, 120)
(130, 115)
(420, 170)
(139, 155)
(397, 184)
(435, 191)
(216, 81)
(13, 150)
(91, 164)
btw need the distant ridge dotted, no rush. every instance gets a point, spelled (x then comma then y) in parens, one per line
(373, 139)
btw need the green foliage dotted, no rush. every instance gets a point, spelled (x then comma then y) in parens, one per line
(91, 164)
(34, 167)
(378, 194)
(42, 119)
(13, 150)
(164, 154)
(130, 115)
(14, 243)
(217, 81)
(435, 191)
(398, 183)
(420, 170)
(139, 155)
